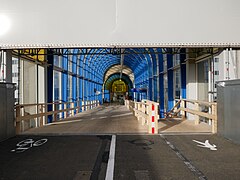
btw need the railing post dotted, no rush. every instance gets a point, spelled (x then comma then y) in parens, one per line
(148, 110)
(197, 120)
(82, 106)
(18, 123)
(78, 106)
(156, 118)
(134, 108)
(214, 123)
(183, 104)
(65, 110)
(41, 118)
(127, 104)
(45, 109)
(139, 117)
(55, 112)
(145, 111)
(72, 106)
(149, 121)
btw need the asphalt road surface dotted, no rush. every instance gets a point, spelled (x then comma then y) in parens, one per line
(140, 157)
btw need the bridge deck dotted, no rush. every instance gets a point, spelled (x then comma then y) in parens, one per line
(114, 119)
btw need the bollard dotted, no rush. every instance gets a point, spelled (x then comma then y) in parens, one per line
(153, 129)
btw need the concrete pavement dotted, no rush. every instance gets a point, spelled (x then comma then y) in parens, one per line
(136, 157)
(115, 119)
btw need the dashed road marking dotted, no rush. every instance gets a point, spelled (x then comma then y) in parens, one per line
(189, 165)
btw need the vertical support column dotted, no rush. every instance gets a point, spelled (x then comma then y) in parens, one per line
(49, 85)
(9, 66)
(74, 81)
(155, 74)
(81, 95)
(191, 84)
(170, 80)
(161, 83)
(81, 83)
(150, 87)
(183, 73)
(150, 77)
(64, 84)
(74, 91)
(1, 62)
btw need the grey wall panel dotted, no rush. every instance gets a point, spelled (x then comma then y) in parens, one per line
(220, 110)
(3, 113)
(7, 128)
(10, 111)
(232, 110)
(229, 109)
(61, 23)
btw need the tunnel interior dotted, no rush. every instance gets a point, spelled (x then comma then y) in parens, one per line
(82, 75)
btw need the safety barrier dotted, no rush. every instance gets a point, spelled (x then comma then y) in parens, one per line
(35, 115)
(198, 108)
(146, 112)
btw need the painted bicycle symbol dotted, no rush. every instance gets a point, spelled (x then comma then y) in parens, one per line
(27, 144)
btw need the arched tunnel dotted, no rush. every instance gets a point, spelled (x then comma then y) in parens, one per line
(113, 74)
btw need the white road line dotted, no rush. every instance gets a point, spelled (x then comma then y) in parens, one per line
(110, 166)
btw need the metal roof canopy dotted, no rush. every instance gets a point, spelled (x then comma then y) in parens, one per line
(119, 23)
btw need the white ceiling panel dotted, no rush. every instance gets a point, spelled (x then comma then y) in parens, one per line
(122, 23)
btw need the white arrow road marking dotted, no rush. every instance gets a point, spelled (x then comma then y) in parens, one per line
(206, 145)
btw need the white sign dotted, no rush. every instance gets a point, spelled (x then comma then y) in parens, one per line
(206, 144)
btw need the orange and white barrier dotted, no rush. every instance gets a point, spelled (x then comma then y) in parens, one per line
(146, 112)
